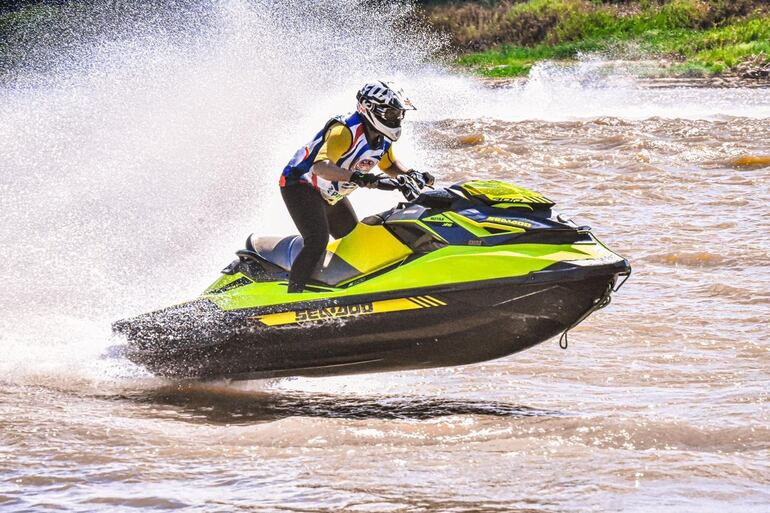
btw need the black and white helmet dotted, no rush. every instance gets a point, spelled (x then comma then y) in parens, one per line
(383, 104)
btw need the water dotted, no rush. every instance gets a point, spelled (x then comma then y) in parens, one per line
(133, 168)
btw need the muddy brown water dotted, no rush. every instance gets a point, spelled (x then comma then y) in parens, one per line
(659, 404)
(137, 152)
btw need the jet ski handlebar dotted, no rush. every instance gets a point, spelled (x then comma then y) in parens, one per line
(403, 183)
(385, 183)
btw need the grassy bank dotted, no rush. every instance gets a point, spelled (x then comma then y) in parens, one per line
(501, 39)
(496, 38)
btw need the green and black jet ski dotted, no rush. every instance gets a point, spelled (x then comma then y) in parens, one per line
(459, 275)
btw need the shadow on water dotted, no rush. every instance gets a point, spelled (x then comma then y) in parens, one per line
(221, 405)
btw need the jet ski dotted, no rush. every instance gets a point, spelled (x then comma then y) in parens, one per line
(453, 276)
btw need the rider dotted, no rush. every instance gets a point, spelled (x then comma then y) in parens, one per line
(317, 180)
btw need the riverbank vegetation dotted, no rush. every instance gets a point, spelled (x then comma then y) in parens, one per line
(495, 38)
(701, 37)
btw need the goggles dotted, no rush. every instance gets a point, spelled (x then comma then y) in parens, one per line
(389, 114)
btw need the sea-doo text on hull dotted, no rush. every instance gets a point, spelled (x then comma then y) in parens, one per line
(473, 272)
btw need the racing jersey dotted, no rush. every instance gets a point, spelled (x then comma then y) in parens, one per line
(343, 142)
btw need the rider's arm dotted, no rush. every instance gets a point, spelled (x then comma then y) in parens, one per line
(394, 168)
(391, 165)
(337, 141)
(325, 169)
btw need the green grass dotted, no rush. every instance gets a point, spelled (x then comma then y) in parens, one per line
(511, 61)
(697, 32)
(715, 50)
(711, 51)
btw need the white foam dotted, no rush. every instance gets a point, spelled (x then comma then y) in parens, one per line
(130, 175)
(587, 89)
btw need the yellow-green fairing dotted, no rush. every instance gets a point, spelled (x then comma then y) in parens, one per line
(445, 266)
(223, 281)
(501, 192)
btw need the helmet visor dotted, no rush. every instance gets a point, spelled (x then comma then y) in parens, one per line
(390, 116)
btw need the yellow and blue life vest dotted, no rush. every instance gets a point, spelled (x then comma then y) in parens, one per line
(360, 156)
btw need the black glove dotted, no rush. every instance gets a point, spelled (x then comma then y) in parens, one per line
(364, 179)
(422, 179)
(408, 187)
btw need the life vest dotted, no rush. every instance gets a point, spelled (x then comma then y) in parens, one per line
(359, 157)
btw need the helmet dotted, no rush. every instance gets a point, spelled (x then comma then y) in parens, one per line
(382, 105)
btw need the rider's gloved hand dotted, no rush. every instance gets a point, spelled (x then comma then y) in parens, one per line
(423, 179)
(364, 179)
(408, 187)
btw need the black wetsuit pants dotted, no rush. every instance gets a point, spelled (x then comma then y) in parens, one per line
(315, 219)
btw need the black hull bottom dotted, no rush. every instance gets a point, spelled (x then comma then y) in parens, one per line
(482, 322)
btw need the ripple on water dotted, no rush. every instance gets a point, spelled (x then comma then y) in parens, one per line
(689, 258)
(742, 295)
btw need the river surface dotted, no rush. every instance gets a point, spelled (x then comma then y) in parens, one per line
(128, 183)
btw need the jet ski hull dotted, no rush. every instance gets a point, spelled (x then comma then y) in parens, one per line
(413, 329)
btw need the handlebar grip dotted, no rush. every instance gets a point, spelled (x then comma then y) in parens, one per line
(387, 184)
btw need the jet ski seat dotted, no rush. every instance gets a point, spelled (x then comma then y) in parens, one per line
(281, 251)
(365, 250)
